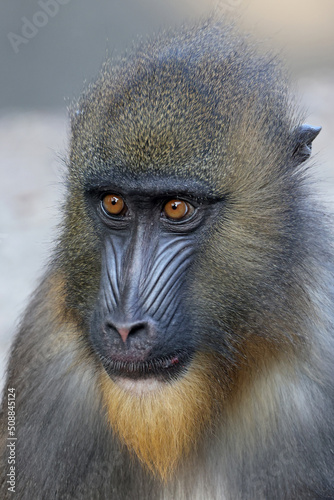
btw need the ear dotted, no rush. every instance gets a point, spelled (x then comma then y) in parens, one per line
(303, 138)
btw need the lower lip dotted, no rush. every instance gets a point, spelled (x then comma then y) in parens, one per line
(144, 377)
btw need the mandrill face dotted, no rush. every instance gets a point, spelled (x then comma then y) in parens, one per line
(141, 327)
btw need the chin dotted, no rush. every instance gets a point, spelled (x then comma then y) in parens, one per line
(141, 386)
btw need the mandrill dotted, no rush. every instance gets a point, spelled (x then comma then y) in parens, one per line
(180, 345)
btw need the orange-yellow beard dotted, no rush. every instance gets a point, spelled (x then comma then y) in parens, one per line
(162, 425)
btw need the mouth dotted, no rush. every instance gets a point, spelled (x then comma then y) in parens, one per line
(164, 368)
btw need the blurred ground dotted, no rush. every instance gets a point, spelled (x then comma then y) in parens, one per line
(31, 189)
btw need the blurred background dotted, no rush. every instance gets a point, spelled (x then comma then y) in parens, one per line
(49, 48)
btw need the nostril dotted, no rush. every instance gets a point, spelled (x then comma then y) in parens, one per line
(124, 330)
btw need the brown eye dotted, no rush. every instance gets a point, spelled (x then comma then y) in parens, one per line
(114, 204)
(177, 209)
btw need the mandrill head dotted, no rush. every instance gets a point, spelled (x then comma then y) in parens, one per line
(184, 233)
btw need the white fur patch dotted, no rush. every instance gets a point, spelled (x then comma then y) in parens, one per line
(140, 387)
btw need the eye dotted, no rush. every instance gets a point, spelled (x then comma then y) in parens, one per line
(177, 209)
(114, 205)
